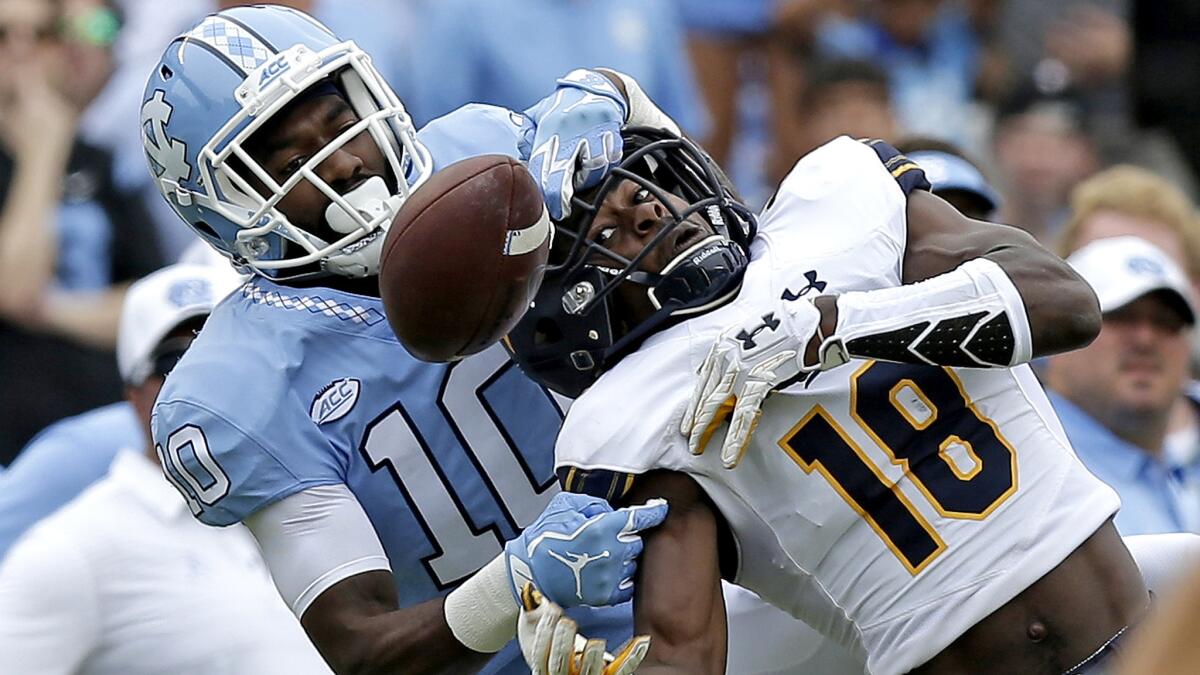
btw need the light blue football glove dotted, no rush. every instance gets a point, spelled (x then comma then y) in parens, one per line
(577, 137)
(580, 551)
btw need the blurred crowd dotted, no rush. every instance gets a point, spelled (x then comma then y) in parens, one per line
(1072, 119)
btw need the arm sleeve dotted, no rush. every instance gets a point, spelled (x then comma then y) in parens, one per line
(607, 484)
(907, 174)
(313, 539)
(49, 619)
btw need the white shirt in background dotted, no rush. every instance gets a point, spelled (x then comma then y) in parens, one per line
(124, 580)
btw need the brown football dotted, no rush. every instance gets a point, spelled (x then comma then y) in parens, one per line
(464, 257)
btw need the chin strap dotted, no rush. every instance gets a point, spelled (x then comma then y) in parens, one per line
(374, 203)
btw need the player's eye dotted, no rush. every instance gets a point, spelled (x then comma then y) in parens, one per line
(605, 234)
(293, 166)
(641, 196)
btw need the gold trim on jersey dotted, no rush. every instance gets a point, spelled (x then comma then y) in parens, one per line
(903, 463)
(808, 468)
(951, 441)
(903, 409)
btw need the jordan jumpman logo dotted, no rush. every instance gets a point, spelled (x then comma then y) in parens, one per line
(576, 563)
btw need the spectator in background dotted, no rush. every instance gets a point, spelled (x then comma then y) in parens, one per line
(845, 97)
(1130, 200)
(69, 238)
(953, 177)
(123, 579)
(929, 50)
(71, 454)
(111, 119)
(1115, 396)
(504, 53)
(748, 60)
(1166, 71)
(1043, 150)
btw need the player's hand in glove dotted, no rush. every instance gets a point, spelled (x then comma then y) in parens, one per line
(552, 645)
(580, 551)
(748, 362)
(577, 137)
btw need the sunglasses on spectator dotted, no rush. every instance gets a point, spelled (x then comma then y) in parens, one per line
(167, 354)
(97, 27)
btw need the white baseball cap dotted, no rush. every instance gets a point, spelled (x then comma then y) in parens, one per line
(157, 303)
(1123, 269)
(945, 171)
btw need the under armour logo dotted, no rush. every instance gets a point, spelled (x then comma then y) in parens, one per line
(576, 563)
(813, 283)
(747, 338)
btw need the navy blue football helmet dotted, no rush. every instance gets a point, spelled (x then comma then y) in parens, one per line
(571, 335)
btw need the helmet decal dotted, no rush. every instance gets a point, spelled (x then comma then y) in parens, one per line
(167, 155)
(233, 41)
(225, 79)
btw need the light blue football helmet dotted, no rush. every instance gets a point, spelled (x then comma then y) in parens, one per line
(220, 82)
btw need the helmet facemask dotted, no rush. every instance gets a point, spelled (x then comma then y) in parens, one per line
(244, 192)
(577, 326)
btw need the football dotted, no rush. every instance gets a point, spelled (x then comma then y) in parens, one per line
(464, 257)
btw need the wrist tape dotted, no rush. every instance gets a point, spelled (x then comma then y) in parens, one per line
(481, 612)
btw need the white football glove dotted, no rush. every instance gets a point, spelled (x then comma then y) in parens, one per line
(748, 362)
(552, 645)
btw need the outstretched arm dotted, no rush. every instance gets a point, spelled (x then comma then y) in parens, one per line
(1058, 308)
(330, 568)
(975, 295)
(358, 627)
(678, 600)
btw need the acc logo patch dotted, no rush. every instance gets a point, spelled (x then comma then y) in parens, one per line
(335, 400)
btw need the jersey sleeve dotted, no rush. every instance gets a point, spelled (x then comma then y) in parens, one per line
(225, 471)
(842, 194)
(907, 173)
(477, 129)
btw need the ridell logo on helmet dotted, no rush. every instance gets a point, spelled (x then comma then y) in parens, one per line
(167, 155)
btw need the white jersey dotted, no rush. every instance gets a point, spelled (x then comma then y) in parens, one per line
(890, 506)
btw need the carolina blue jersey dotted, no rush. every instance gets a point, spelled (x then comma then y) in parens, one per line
(289, 388)
(60, 462)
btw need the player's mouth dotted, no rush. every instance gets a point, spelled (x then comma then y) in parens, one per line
(689, 235)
